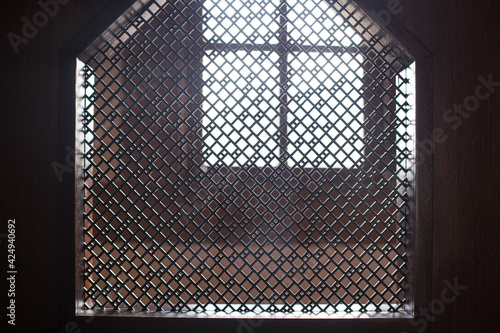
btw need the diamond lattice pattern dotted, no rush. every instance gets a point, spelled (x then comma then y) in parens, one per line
(246, 156)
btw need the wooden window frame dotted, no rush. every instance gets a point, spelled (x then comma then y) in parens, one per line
(69, 205)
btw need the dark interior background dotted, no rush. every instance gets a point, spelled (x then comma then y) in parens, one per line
(463, 37)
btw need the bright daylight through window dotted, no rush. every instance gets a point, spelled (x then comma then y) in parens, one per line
(245, 157)
(279, 73)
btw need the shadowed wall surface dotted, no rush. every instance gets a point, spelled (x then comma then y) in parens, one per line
(464, 40)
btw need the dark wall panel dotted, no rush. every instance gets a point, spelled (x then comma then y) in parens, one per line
(464, 40)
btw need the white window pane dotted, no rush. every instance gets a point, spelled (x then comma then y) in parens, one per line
(406, 111)
(313, 22)
(85, 91)
(241, 106)
(325, 114)
(254, 21)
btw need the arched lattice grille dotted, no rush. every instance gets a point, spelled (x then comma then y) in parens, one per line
(247, 156)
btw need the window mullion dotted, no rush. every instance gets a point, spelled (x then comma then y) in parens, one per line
(283, 81)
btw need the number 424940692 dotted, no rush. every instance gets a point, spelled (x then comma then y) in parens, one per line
(11, 247)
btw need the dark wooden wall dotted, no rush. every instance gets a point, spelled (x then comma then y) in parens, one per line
(464, 38)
